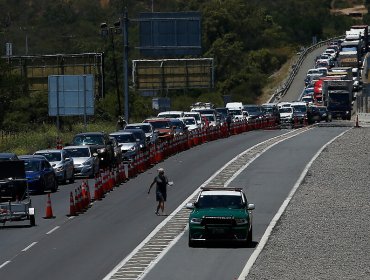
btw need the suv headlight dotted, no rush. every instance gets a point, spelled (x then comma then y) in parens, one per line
(59, 168)
(241, 221)
(196, 221)
(88, 162)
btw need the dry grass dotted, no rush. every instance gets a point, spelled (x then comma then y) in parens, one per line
(274, 81)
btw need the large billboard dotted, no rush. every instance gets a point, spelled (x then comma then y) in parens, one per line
(71, 95)
(170, 34)
(165, 74)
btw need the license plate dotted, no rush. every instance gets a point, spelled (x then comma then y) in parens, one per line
(218, 231)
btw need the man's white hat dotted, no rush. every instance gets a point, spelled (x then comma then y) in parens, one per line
(160, 169)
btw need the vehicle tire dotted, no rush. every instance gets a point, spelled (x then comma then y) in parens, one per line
(55, 186)
(64, 181)
(43, 187)
(32, 220)
(72, 179)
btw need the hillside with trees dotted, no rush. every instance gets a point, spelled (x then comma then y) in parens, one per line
(249, 41)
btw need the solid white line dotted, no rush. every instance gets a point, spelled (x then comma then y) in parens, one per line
(4, 264)
(282, 208)
(54, 229)
(29, 246)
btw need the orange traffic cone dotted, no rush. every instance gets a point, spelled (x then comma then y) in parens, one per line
(49, 210)
(72, 208)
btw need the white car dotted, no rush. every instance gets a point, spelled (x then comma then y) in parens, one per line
(196, 115)
(286, 115)
(190, 123)
(211, 118)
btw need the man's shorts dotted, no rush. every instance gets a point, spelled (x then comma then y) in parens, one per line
(161, 196)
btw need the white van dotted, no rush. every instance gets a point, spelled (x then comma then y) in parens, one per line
(171, 114)
(234, 105)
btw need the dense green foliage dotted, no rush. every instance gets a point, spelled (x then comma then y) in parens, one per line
(249, 40)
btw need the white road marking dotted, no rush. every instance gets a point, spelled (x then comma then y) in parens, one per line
(281, 210)
(116, 269)
(54, 229)
(4, 264)
(29, 246)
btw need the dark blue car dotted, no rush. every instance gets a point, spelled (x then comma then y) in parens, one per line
(40, 174)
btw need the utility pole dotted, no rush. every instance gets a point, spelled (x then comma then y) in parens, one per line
(125, 63)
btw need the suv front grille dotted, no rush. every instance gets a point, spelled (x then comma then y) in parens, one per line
(229, 221)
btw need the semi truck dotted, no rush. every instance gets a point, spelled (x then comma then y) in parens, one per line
(338, 97)
(364, 34)
(349, 59)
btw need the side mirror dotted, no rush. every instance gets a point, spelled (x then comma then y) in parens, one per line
(190, 206)
(251, 206)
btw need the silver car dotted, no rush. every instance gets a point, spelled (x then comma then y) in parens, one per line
(61, 162)
(86, 160)
(128, 143)
(150, 133)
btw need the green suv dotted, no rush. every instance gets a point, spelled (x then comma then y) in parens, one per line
(220, 214)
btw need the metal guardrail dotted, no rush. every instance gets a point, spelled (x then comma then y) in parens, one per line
(285, 85)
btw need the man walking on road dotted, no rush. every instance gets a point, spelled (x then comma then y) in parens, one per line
(161, 182)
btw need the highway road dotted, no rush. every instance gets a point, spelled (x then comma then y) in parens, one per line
(91, 245)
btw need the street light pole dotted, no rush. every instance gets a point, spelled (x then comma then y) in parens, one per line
(125, 63)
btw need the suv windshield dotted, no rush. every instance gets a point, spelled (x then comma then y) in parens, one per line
(79, 152)
(88, 140)
(146, 128)
(220, 201)
(51, 156)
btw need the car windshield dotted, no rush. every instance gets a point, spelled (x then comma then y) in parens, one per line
(252, 109)
(196, 116)
(146, 128)
(32, 165)
(189, 121)
(285, 110)
(300, 108)
(235, 112)
(169, 115)
(51, 156)
(220, 201)
(79, 152)
(160, 124)
(88, 140)
(125, 138)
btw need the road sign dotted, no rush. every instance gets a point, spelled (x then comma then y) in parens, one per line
(71, 95)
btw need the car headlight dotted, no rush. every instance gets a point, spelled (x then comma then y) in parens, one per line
(196, 221)
(88, 162)
(132, 148)
(101, 151)
(59, 168)
(241, 221)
